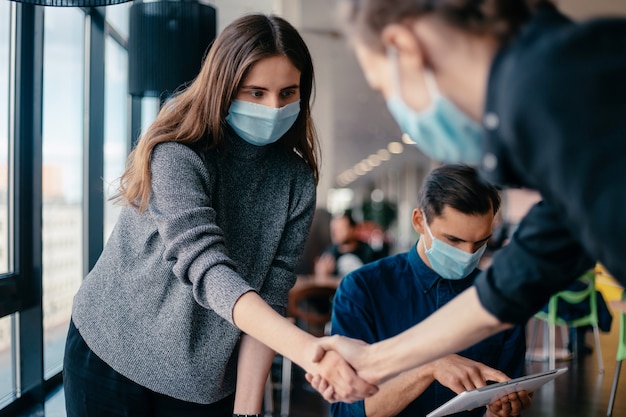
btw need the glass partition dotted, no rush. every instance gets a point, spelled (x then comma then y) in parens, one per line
(7, 339)
(63, 126)
(5, 59)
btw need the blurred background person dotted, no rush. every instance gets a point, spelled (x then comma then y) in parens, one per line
(346, 253)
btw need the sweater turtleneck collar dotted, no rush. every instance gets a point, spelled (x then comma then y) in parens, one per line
(238, 148)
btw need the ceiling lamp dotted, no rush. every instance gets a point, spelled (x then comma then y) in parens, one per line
(166, 44)
(407, 139)
(395, 147)
(73, 3)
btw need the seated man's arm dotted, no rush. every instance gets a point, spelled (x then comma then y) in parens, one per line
(396, 394)
(453, 371)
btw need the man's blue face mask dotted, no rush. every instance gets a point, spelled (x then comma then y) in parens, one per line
(442, 131)
(450, 262)
(261, 125)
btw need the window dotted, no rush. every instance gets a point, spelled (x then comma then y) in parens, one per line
(116, 140)
(7, 360)
(62, 208)
(60, 232)
(5, 31)
(7, 356)
(118, 16)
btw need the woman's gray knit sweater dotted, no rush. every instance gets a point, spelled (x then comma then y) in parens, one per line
(157, 306)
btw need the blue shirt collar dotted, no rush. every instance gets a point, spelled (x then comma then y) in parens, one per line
(425, 277)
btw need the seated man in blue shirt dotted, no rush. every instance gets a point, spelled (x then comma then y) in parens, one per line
(381, 299)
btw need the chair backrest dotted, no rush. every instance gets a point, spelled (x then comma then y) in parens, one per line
(311, 304)
(586, 294)
(621, 344)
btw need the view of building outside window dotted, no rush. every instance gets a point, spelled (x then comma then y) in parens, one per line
(115, 127)
(7, 362)
(63, 126)
(5, 28)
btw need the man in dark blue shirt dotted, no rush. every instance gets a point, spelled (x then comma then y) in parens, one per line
(386, 297)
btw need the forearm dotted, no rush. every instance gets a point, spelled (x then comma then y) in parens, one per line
(459, 324)
(254, 363)
(254, 317)
(397, 393)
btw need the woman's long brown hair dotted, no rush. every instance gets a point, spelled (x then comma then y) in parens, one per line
(196, 115)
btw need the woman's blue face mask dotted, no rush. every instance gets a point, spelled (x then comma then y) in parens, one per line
(261, 125)
(450, 262)
(442, 131)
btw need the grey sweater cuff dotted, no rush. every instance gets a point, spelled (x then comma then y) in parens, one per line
(221, 289)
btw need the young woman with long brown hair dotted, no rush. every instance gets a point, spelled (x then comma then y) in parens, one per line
(219, 194)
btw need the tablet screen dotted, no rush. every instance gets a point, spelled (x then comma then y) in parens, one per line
(482, 396)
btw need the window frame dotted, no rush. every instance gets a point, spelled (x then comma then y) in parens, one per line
(21, 290)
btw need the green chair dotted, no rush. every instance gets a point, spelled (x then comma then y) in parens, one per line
(621, 355)
(551, 317)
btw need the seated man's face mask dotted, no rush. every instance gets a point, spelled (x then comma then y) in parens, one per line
(442, 131)
(450, 262)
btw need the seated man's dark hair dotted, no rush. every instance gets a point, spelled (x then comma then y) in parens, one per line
(460, 187)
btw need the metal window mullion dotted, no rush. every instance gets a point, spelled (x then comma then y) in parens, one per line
(9, 293)
(93, 212)
(28, 196)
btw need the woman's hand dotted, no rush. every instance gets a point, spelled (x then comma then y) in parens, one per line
(335, 379)
(354, 351)
(254, 317)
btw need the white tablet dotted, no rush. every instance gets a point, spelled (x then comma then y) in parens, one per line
(486, 395)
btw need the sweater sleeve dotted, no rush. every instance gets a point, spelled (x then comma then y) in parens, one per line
(275, 289)
(541, 259)
(181, 207)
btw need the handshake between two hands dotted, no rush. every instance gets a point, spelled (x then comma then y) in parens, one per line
(344, 370)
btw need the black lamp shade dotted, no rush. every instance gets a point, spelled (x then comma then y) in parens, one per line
(166, 44)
